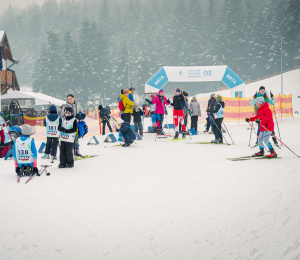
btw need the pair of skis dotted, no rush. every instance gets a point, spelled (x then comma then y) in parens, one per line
(247, 158)
(44, 168)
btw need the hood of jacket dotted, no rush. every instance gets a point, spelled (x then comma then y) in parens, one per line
(222, 104)
(52, 116)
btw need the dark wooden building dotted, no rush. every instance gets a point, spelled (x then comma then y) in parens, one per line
(8, 78)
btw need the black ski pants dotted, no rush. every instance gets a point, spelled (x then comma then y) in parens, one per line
(217, 123)
(104, 122)
(66, 153)
(127, 117)
(208, 124)
(194, 122)
(51, 146)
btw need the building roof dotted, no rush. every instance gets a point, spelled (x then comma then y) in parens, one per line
(2, 33)
(6, 51)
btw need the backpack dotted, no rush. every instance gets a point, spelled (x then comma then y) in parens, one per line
(121, 105)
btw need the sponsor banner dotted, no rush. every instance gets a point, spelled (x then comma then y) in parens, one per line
(158, 80)
(230, 79)
(195, 73)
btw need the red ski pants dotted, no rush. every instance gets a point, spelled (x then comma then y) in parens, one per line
(178, 114)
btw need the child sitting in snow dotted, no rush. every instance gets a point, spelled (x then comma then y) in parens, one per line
(25, 153)
(127, 132)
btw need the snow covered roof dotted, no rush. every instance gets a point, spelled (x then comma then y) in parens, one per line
(40, 99)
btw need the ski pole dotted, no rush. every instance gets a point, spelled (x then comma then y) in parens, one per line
(257, 136)
(250, 135)
(228, 132)
(219, 130)
(279, 140)
(276, 119)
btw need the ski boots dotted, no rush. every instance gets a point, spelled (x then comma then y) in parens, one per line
(220, 141)
(272, 154)
(260, 153)
(183, 135)
(61, 166)
(176, 135)
(45, 156)
(53, 158)
(205, 131)
(214, 141)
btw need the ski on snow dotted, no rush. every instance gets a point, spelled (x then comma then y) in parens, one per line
(78, 158)
(245, 158)
(207, 143)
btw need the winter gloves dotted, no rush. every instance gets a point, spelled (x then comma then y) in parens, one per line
(256, 120)
(255, 95)
(169, 102)
(271, 94)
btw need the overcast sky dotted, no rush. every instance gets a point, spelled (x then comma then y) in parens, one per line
(19, 3)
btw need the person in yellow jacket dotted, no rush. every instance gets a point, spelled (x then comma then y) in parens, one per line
(128, 105)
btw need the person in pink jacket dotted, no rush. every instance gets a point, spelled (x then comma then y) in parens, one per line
(160, 102)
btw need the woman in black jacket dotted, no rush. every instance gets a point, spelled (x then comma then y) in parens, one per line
(178, 104)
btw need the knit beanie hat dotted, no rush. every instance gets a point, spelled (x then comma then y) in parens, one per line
(219, 99)
(120, 121)
(260, 100)
(177, 90)
(212, 95)
(100, 107)
(262, 87)
(26, 129)
(160, 91)
(69, 109)
(52, 109)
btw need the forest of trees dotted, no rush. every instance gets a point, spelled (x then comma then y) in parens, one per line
(83, 47)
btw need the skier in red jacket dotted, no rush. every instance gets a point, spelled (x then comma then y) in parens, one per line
(265, 119)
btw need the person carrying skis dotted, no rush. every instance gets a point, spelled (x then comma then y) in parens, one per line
(178, 104)
(25, 153)
(195, 112)
(105, 115)
(128, 105)
(265, 119)
(137, 113)
(217, 115)
(263, 93)
(68, 130)
(210, 106)
(126, 131)
(51, 122)
(160, 101)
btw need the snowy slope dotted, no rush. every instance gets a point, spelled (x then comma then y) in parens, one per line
(158, 200)
(291, 85)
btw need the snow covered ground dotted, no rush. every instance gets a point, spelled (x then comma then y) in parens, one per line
(158, 200)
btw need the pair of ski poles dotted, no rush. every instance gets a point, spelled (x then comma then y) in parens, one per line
(221, 130)
(276, 138)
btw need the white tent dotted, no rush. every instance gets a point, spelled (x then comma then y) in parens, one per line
(39, 98)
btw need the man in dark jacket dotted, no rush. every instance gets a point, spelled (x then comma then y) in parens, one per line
(105, 115)
(128, 134)
(212, 102)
